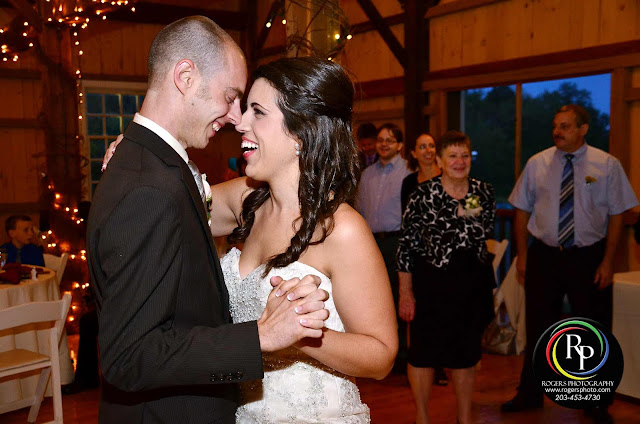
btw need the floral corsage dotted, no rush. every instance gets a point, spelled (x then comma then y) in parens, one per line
(472, 206)
(207, 199)
(590, 180)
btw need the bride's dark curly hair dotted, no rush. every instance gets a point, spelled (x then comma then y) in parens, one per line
(315, 96)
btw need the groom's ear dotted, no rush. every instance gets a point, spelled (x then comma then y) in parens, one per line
(184, 75)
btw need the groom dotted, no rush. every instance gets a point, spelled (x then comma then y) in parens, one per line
(168, 351)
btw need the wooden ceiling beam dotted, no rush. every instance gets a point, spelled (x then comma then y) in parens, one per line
(457, 6)
(155, 13)
(26, 10)
(23, 74)
(563, 64)
(264, 31)
(416, 40)
(385, 32)
(367, 26)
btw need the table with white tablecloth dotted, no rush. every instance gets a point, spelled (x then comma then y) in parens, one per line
(45, 288)
(626, 328)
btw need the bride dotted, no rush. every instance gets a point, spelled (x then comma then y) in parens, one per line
(292, 215)
(297, 141)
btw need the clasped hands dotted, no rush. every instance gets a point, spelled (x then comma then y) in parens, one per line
(295, 310)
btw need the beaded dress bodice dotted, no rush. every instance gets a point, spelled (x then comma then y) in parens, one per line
(295, 388)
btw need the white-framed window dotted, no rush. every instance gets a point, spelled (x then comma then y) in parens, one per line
(107, 109)
(489, 118)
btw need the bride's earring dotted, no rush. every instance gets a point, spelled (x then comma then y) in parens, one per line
(297, 149)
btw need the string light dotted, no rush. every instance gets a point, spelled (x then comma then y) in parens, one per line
(56, 246)
(58, 15)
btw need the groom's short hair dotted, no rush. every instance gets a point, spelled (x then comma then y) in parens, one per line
(197, 38)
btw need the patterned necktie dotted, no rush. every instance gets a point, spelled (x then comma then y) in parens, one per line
(198, 177)
(565, 221)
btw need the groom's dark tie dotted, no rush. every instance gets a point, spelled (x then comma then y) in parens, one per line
(198, 177)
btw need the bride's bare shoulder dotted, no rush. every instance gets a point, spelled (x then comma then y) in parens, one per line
(349, 227)
(350, 251)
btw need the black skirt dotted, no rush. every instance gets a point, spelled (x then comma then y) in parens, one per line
(454, 305)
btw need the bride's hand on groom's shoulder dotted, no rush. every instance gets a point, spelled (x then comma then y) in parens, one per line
(295, 310)
(110, 151)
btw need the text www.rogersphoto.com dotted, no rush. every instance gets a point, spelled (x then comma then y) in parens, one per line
(577, 390)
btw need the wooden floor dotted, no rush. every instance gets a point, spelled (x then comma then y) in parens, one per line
(391, 402)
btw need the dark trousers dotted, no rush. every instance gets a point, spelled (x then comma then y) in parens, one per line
(550, 275)
(87, 367)
(388, 245)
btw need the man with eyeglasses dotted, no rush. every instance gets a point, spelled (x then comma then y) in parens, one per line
(570, 199)
(379, 202)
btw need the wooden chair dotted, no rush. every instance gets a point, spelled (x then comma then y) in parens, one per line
(56, 263)
(19, 361)
(498, 248)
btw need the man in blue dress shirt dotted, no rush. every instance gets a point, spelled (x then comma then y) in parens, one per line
(379, 202)
(20, 249)
(570, 199)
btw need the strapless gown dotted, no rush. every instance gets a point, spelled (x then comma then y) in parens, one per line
(295, 388)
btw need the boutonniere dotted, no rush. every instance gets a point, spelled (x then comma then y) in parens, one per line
(590, 180)
(472, 206)
(207, 199)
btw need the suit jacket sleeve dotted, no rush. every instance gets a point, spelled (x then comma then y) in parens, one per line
(141, 250)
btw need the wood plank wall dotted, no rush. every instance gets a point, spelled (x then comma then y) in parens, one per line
(21, 136)
(520, 28)
(368, 58)
(634, 156)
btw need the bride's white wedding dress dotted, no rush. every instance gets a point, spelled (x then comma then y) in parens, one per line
(295, 388)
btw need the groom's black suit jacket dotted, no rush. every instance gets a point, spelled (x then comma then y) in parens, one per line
(168, 352)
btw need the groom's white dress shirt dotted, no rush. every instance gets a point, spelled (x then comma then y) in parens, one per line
(163, 134)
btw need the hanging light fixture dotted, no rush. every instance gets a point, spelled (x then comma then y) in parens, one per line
(315, 28)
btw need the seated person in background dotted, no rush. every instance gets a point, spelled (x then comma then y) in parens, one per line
(21, 249)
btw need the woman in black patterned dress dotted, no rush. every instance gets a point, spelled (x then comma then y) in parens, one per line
(445, 272)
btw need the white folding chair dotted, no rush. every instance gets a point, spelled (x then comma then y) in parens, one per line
(56, 263)
(18, 361)
(498, 248)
